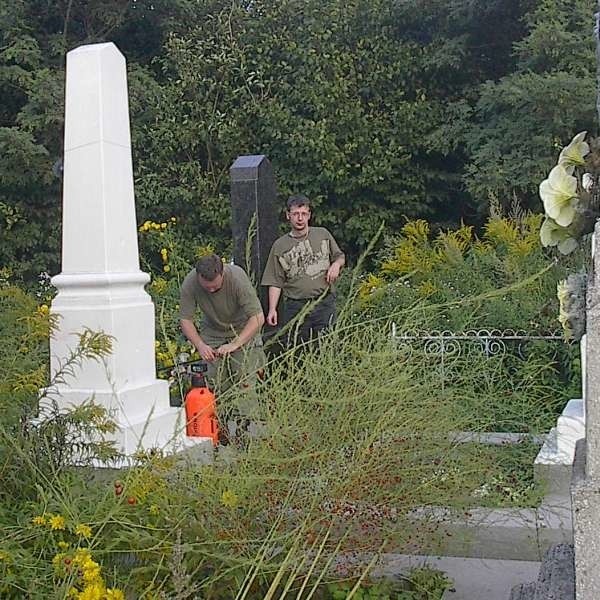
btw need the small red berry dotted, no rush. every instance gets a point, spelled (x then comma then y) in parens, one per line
(131, 500)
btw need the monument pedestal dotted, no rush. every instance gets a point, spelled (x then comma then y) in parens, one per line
(124, 383)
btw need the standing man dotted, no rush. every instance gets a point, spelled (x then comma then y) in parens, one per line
(229, 339)
(303, 264)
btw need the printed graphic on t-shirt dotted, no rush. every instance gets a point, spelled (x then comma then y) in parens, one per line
(302, 261)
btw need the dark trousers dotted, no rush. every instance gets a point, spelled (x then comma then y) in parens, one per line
(320, 317)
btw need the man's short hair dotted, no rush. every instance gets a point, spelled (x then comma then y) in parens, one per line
(208, 267)
(298, 200)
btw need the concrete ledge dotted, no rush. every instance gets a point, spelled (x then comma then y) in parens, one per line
(473, 578)
(495, 438)
(503, 534)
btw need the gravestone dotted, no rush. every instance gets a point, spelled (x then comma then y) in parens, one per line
(586, 493)
(253, 197)
(101, 286)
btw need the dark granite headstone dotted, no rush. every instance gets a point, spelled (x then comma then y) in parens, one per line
(253, 192)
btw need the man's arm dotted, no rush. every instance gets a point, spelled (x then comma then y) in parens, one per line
(274, 295)
(334, 269)
(191, 333)
(250, 329)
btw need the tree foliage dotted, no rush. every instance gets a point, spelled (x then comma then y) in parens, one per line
(376, 110)
(520, 122)
(34, 37)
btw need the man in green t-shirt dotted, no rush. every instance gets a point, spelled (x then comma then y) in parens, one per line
(229, 338)
(303, 265)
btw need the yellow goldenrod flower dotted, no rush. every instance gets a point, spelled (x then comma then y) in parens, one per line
(83, 530)
(166, 268)
(204, 251)
(91, 574)
(369, 285)
(417, 230)
(163, 225)
(82, 555)
(574, 154)
(96, 591)
(154, 510)
(229, 499)
(57, 561)
(114, 594)
(559, 195)
(39, 520)
(57, 522)
(173, 220)
(63, 545)
(159, 285)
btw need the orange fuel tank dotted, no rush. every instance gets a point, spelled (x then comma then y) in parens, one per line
(200, 411)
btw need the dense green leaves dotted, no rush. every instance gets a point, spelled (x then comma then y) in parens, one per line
(324, 90)
(521, 121)
(376, 110)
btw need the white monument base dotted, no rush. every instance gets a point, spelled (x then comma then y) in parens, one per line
(151, 424)
(554, 462)
(124, 382)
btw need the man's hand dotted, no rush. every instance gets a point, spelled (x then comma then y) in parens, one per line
(333, 272)
(206, 352)
(272, 317)
(226, 349)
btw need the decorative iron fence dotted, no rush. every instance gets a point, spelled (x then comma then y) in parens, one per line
(443, 346)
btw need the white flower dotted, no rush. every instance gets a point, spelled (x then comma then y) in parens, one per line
(481, 491)
(587, 182)
(571, 295)
(573, 155)
(558, 193)
(568, 245)
(562, 291)
(552, 234)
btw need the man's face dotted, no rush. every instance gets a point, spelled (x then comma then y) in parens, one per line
(211, 286)
(298, 216)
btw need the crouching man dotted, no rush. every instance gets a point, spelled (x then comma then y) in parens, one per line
(228, 338)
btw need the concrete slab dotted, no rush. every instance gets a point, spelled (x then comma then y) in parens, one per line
(522, 534)
(474, 578)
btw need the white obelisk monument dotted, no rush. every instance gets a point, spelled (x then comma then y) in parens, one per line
(101, 286)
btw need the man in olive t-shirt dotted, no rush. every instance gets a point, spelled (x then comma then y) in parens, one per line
(231, 323)
(303, 264)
